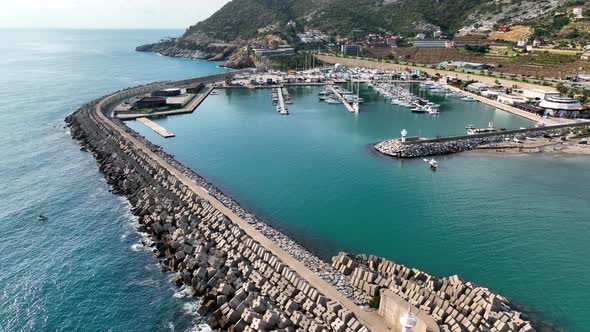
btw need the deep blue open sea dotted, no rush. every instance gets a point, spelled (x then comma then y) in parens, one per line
(518, 225)
(81, 270)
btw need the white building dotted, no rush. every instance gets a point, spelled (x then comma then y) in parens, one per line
(578, 12)
(478, 87)
(558, 103)
(266, 52)
(538, 94)
(433, 43)
(511, 99)
(490, 94)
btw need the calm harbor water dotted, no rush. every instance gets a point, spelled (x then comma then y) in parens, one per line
(82, 270)
(517, 225)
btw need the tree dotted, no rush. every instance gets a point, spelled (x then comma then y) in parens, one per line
(562, 89)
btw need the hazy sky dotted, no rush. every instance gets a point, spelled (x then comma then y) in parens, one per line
(106, 13)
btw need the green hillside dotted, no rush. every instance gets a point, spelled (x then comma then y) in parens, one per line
(243, 18)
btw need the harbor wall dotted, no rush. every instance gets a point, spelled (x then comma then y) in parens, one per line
(246, 281)
(440, 304)
(455, 144)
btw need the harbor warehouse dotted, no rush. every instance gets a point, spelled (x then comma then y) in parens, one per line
(151, 102)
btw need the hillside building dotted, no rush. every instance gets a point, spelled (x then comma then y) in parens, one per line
(351, 49)
(433, 43)
(267, 52)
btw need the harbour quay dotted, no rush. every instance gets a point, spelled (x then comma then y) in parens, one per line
(415, 147)
(448, 303)
(244, 280)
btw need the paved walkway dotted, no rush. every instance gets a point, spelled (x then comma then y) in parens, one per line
(370, 319)
(509, 109)
(156, 127)
(342, 100)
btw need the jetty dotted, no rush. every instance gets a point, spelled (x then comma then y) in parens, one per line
(251, 277)
(282, 106)
(342, 99)
(246, 279)
(156, 127)
(423, 147)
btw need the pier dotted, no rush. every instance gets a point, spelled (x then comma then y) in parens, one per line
(342, 100)
(418, 148)
(192, 227)
(282, 106)
(156, 127)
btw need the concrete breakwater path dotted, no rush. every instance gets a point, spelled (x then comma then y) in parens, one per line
(460, 143)
(246, 281)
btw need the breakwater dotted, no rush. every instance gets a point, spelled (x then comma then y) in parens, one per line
(455, 144)
(249, 276)
(451, 303)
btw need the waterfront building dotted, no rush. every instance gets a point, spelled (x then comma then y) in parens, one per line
(559, 103)
(490, 94)
(172, 92)
(351, 49)
(433, 43)
(538, 94)
(511, 99)
(151, 102)
(195, 88)
(478, 87)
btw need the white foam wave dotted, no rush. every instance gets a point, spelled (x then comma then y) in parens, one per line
(182, 292)
(200, 328)
(191, 308)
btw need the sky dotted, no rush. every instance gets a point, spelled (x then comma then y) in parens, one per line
(106, 14)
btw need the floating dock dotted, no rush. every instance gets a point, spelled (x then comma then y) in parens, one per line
(156, 127)
(342, 100)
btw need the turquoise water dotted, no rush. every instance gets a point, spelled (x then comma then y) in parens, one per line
(82, 270)
(518, 225)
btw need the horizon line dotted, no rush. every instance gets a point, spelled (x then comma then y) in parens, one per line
(88, 28)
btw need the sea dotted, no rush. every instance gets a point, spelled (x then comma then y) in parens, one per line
(515, 224)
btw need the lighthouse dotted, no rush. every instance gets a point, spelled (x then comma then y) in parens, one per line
(404, 134)
(408, 321)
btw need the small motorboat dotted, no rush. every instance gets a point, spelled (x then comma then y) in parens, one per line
(433, 164)
(42, 217)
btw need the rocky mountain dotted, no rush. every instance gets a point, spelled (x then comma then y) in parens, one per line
(242, 21)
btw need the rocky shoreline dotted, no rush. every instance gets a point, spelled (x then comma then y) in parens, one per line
(455, 305)
(450, 145)
(310, 260)
(232, 56)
